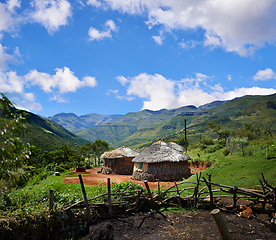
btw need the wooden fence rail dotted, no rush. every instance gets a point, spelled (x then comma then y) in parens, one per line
(203, 190)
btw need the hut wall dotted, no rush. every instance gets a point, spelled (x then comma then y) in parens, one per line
(122, 166)
(164, 171)
(136, 166)
(169, 171)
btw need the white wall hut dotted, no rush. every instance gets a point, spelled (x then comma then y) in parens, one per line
(161, 161)
(119, 161)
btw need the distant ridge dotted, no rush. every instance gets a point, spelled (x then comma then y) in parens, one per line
(74, 123)
(138, 128)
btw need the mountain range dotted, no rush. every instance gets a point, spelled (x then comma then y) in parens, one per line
(138, 128)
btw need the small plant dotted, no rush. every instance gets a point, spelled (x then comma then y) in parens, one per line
(226, 152)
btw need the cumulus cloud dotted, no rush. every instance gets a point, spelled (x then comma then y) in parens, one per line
(236, 26)
(159, 92)
(264, 75)
(13, 84)
(8, 17)
(97, 35)
(6, 58)
(62, 82)
(52, 14)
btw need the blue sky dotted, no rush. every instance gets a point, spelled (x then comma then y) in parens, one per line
(114, 56)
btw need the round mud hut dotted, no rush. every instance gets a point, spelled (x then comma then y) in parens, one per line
(119, 161)
(161, 162)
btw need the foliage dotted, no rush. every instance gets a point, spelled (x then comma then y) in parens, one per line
(222, 133)
(226, 152)
(13, 151)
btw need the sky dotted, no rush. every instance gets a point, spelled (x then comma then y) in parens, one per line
(120, 56)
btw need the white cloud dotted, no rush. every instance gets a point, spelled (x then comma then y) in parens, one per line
(239, 92)
(189, 44)
(13, 84)
(94, 3)
(8, 17)
(12, 4)
(158, 92)
(159, 39)
(52, 14)
(237, 26)
(97, 35)
(264, 75)
(63, 80)
(122, 80)
(6, 58)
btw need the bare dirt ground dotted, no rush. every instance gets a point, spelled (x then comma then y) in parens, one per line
(183, 225)
(94, 178)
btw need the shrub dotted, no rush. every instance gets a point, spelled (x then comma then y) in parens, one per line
(226, 152)
(213, 148)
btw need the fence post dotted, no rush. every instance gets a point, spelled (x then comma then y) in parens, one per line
(221, 223)
(85, 199)
(51, 200)
(109, 198)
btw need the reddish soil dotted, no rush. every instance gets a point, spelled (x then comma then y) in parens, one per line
(94, 177)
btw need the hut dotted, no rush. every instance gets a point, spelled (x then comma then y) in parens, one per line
(119, 161)
(161, 161)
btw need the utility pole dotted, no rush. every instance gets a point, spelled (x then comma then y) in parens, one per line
(185, 135)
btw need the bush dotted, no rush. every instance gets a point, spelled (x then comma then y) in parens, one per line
(213, 148)
(207, 141)
(226, 152)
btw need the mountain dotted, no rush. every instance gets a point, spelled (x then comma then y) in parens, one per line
(136, 122)
(139, 128)
(47, 134)
(75, 123)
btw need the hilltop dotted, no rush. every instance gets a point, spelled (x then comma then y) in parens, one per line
(138, 128)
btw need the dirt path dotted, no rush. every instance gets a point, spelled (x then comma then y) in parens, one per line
(94, 178)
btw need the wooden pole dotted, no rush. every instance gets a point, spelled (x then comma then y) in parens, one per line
(109, 197)
(149, 193)
(221, 223)
(235, 197)
(85, 199)
(51, 200)
(186, 135)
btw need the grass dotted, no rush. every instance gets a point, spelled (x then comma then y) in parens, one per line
(235, 170)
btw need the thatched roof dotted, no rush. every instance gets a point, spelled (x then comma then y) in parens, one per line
(161, 152)
(176, 146)
(120, 152)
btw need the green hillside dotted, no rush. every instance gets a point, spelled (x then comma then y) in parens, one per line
(47, 134)
(75, 123)
(136, 129)
(122, 128)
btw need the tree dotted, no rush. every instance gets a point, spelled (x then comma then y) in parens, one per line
(222, 133)
(98, 148)
(13, 152)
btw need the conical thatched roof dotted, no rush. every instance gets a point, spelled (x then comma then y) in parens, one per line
(161, 152)
(120, 153)
(176, 146)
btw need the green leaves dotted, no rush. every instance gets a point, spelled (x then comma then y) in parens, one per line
(12, 151)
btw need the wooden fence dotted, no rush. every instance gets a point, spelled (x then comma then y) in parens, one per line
(201, 191)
